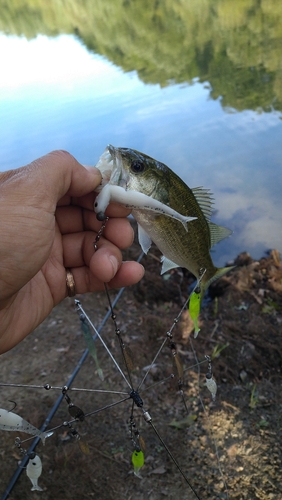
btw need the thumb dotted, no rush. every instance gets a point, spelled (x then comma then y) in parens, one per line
(62, 174)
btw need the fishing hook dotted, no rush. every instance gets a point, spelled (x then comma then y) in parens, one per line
(15, 405)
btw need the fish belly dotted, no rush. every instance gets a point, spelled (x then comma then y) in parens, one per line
(181, 247)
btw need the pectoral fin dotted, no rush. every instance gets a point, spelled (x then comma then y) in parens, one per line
(167, 264)
(144, 239)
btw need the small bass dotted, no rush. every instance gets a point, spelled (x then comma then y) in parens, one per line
(141, 183)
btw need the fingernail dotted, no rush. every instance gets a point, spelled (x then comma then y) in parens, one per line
(114, 263)
(94, 171)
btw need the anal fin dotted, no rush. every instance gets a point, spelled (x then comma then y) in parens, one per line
(167, 264)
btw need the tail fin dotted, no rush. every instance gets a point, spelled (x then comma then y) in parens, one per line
(45, 435)
(35, 487)
(220, 271)
(198, 294)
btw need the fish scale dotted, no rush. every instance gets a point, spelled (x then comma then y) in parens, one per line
(170, 242)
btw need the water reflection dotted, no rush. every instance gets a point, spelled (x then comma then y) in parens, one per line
(235, 46)
(217, 123)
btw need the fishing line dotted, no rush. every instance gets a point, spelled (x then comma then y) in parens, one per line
(208, 421)
(50, 387)
(153, 362)
(173, 459)
(121, 343)
(135, 393)
(79, 306)
(196, 364)
(75, 420)
(171, 376)
(107, 406)
(169, 332)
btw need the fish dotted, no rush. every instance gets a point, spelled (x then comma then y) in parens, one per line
(34, 470)
(126, 174)
(10, 421)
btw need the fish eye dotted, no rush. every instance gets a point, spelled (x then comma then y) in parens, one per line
(137, 166)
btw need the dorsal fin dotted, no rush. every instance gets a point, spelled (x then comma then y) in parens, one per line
(205, 200)
(218, 233)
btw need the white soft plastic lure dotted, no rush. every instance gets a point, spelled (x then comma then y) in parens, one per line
(33, 471)
(12, 422)
(211, 385)
(134, 199)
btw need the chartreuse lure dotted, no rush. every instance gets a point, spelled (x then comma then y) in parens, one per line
(194, 309)
(137, 460)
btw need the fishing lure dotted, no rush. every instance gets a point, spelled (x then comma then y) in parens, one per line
(137, 461)
(211, 385)
(74, 410)
(135, 199)
(33, 471)
(194, 310)
(12, 422)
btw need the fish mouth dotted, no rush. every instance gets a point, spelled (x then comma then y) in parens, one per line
(111, 168)
(112, 150)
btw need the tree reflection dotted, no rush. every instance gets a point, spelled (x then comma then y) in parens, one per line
(234, 45)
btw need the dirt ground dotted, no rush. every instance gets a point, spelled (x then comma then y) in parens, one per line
(230, 448)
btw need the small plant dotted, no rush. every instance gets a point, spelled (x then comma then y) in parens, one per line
(262, 423)
(270, 307)
(218, 349)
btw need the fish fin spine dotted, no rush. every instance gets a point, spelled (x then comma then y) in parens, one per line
(205, 200)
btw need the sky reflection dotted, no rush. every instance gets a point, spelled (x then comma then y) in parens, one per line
(55, 94)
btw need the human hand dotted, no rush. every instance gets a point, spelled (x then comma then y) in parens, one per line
(47, 224)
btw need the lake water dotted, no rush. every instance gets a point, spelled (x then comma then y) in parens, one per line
(212, 114)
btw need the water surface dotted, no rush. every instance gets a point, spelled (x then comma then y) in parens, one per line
(199, 92)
